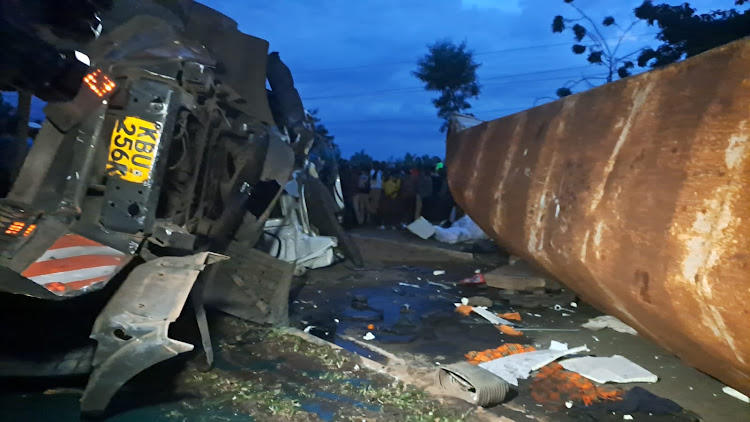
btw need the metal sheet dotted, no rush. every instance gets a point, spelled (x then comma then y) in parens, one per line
(132, 330)
(635, 195)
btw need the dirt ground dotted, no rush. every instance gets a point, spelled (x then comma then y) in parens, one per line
(273, 374)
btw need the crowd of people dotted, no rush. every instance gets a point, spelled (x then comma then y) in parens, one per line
(384, 195)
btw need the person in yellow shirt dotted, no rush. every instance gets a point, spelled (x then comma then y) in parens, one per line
(392, 186)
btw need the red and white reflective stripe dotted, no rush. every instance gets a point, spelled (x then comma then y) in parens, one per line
(75, 262)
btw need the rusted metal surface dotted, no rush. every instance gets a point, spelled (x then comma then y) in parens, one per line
(635, 195)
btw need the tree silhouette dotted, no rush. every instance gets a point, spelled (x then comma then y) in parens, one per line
(451, 70)
(684, 33)
(361, 160)
(323, 144)
(589, 38)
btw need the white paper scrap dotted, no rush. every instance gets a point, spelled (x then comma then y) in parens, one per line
(490, 316)
(484, 313)
(613, 369)
(422, 228)
(514, 367)
(608, 321)
(556, 345)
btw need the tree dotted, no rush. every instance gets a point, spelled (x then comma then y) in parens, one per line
(684, 34)
(450, 69)
(589, 38)
(361, 160)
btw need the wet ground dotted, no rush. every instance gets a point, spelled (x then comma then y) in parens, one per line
(264, 374)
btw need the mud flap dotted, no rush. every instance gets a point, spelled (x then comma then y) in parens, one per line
(132, 330)
(252, 285)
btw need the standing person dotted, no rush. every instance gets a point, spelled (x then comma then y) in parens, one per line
(376, 191)
(349, 190)
(391, 208)
(362, 197)
(407, 196)
(424, 192)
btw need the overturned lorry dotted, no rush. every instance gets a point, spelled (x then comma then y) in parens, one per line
(635, 195)
(171, 158)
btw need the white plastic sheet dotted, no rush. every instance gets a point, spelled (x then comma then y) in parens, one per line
(514, 367)
(613, 369)
(464, 229)
(608, 321)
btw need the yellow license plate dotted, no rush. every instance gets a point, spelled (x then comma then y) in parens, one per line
(132, 149)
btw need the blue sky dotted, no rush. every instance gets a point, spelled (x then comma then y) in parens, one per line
(352, 60)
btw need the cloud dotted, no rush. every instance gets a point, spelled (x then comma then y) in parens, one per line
(506, 6)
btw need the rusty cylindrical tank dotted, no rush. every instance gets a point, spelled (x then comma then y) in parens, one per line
(636, 195)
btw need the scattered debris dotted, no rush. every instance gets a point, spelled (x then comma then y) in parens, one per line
(608, 321)
(513, 367)
(441, 285)
(463, 230)
(595, 338)
(560, 308)
(491, 317)
(612, 369)
(464, 300)
(520, 277)
(422, 228)
(569, 404)
(472, 384)
(736, 394)
(556, 345)
(506, 349)
(369, 336)
(409, 285)
(511, 316)
(438, 272)
(464, 310)
(508, 330)
(481, 301)
(573, 305)
(553, 387)
(627, 417)
(477, 271)
(476, 279)
(308, 328)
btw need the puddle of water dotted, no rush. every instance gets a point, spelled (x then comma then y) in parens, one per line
(318, 410)
(38, 407)
(347, 400)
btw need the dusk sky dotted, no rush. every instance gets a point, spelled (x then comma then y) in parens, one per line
(352, 60)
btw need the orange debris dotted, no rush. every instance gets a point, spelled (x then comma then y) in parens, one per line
(508, 330)
(508, 349)
(553, 386)
(510, 316)
(465, 310)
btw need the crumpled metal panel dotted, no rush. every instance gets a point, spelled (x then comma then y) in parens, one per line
(635, 195)
(132, 331)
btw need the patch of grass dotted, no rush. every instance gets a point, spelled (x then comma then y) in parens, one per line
(219, 389)
(285, 342)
